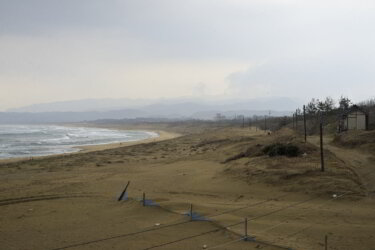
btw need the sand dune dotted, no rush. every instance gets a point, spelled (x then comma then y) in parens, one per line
(70, 201)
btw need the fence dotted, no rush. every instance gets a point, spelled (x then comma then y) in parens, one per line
(190, 216)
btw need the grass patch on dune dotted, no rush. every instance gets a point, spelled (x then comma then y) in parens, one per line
(280, 149)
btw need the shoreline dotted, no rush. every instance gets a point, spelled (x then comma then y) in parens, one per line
(162, 135)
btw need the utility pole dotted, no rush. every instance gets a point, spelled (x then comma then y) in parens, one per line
(293, 120)
(321, 147)
(296, 119)
(304, 121)
(265, 123)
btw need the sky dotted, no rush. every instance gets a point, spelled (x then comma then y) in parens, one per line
(52, 50)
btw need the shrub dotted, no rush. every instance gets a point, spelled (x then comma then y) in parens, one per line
(292, 151)
(276, 149)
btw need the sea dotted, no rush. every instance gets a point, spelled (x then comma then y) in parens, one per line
(41, 140)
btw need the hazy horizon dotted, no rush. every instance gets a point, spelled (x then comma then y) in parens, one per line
(53, 51)
(107, 104)
(175, 109)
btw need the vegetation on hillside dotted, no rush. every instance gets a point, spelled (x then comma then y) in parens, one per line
(326, 110)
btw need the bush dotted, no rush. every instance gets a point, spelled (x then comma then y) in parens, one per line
(292, 151)
(276, 149)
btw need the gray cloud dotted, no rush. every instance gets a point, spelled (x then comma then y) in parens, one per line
(350, 75)
(166, 46)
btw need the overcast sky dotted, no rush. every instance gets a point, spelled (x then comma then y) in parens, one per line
(56, 50)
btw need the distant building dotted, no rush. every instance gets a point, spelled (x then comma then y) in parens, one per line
(354, 118)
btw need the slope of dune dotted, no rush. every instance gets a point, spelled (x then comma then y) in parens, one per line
(362, 140)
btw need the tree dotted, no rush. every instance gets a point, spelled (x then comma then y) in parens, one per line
(320, 105)
(329, 104)
(316, 105)
(344, 103)
(311, 107)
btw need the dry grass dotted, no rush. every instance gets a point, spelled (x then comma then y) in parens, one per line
(363, 140)
(298, 174)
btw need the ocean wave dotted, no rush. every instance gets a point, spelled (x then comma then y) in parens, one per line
(39, 140)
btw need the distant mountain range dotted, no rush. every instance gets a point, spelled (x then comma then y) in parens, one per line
(94, 109)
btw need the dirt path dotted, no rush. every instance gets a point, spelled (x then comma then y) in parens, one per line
(362, 163)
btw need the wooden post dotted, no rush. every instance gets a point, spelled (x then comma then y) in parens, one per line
(265, 123)
(191, 212)
(245, 236)
(243, 121)
(326, 242)
(321, 147)
(144, 199)
(123, 192)
(256, 123)
(293, 120)
(304, 121)
(296, 120)
(249, 123)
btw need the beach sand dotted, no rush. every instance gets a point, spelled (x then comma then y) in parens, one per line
(70, 201)
(162, 135)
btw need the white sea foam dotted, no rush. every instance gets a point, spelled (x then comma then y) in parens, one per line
(39, 140)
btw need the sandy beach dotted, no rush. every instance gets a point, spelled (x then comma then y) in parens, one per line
(162, 135)
(70, 201)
